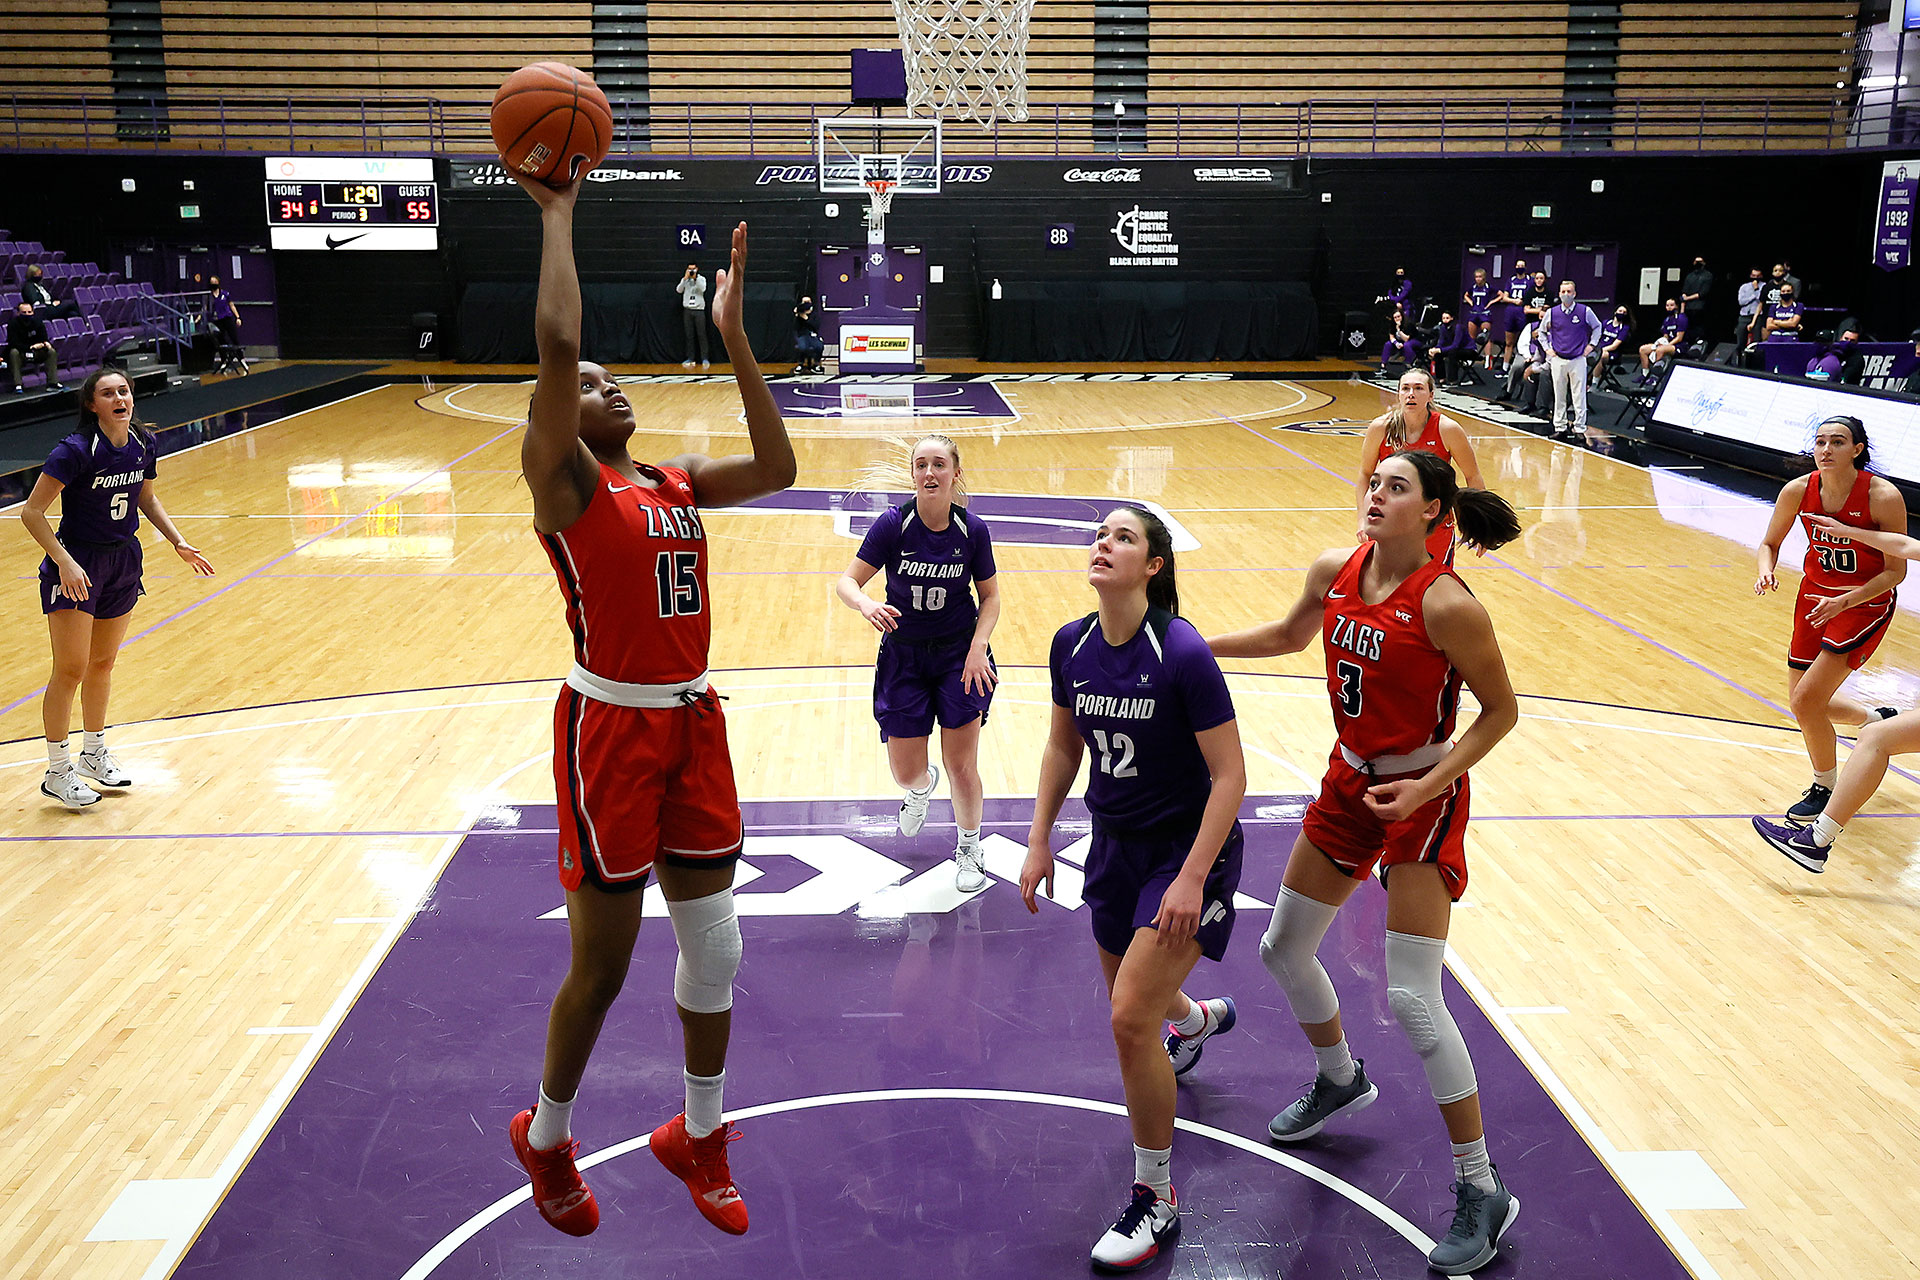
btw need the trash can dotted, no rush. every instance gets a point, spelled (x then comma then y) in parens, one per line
(426, 335)
(1356, 335)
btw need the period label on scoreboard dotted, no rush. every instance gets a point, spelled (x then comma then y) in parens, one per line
(330, 203)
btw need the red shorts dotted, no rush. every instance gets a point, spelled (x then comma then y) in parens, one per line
(1854, 635)
(1340, 825)
(640, 783)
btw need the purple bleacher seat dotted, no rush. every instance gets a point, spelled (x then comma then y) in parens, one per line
(95, 324)
(113, 277)
(87, 297)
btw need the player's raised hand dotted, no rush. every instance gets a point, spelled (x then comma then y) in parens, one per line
(552, 197)
(730, 283)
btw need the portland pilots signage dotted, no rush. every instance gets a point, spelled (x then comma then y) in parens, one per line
(675, 177)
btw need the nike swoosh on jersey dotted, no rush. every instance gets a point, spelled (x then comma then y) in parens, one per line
(621, 489)
(1336, 595)
(1079, 683)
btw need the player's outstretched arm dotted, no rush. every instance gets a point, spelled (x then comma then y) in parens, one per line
(726, 482)
(1294, 632)
(1893, 544)
(1059, 765)
(560, 470)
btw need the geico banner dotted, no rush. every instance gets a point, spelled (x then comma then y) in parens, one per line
(1781, 414)
(659, 177)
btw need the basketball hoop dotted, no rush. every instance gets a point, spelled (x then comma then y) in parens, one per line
(879, 200)
(966, 59)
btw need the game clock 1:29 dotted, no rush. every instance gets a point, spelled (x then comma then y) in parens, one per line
(353, 203)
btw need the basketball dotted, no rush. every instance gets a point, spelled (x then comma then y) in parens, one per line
(551, 122)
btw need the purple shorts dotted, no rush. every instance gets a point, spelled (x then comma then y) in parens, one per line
(916, 683)
(114, 572)
(1129, 872)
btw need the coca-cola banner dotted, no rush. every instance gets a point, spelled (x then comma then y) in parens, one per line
(665, 176)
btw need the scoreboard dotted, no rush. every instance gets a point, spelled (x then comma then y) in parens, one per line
(333, 203)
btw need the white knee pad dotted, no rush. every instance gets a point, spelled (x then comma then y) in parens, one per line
(1288, 950)
(708, 932)
(1413, 992)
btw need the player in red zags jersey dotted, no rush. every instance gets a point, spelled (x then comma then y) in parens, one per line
(1846, 597)
(1879, 742)
(1415, 424)
(640, 759)
(1401, 634)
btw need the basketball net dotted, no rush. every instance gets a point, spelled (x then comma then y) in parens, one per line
(879, 200)
(966, 59)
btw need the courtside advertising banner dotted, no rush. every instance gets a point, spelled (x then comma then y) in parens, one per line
(866, 345)
(1781, 414)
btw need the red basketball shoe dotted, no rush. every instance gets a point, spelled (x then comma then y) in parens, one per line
(558, 1192)
(701, 1163)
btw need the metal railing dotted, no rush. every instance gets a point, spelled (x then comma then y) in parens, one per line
(1310, 127)
(172, 318)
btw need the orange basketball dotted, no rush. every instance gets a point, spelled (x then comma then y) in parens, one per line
(551, 122)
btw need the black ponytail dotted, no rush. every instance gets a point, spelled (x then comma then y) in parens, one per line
(1163, 591)
(1485, 518)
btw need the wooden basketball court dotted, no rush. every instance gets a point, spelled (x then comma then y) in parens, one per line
(373, 669)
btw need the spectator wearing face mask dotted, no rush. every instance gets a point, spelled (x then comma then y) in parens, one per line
(1770, 290)
(1452, 343)
(1783, 318)
(1749, 299)
(1673, 336)
(1572, 331)
(1614, 336)
(1400, 297)
(1400, 344)
(1841, 362)
(1693, 294)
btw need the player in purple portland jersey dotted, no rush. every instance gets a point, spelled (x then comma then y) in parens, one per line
(1479, 298)
(103, 474)
(934, 663)
(1135, 684)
